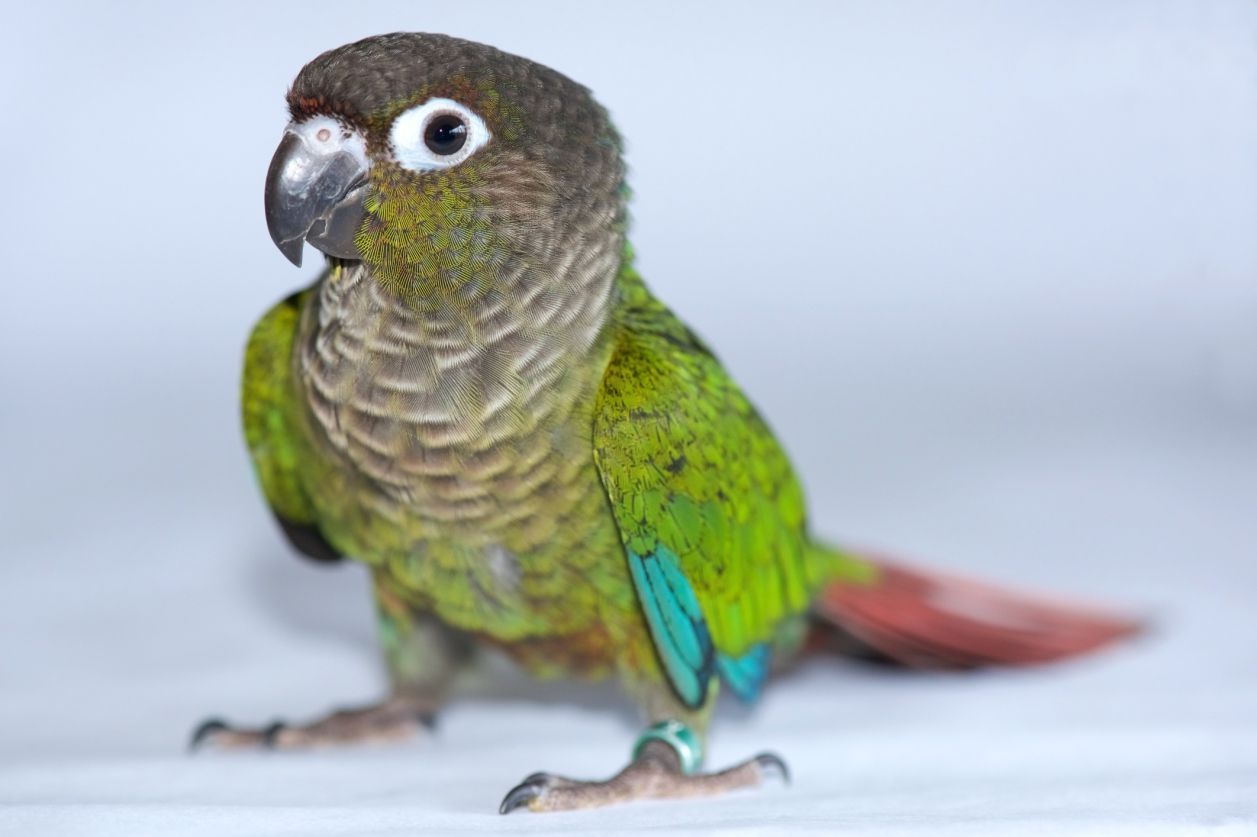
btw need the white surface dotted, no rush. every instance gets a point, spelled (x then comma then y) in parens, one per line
(1002, 306)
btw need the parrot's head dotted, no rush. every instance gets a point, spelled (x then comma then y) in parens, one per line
(445, 165)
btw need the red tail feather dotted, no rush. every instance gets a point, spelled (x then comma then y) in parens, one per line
(931, 620)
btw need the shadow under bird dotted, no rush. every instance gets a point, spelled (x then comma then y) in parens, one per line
(480, 399)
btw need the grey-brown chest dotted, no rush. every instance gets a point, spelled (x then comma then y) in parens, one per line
(472, 419)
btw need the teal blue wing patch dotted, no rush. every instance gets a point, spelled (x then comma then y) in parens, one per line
(680, 633)
(746, 674)
(676, 623)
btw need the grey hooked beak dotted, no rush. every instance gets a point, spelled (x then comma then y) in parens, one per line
(315, 188)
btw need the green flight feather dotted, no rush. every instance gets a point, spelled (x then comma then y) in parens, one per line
(700, 489)
(266, 405)
(676, 623)
(746, 674)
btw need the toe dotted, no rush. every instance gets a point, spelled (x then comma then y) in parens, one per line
(526, 792)
(270, 735)
(771, 764)
(206, 732)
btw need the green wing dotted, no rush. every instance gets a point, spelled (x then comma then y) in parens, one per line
(267, 401)
(709, 510)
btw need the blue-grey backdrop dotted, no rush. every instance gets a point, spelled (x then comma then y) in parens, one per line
(990, 269)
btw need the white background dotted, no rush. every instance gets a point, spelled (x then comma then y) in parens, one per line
(990, 269)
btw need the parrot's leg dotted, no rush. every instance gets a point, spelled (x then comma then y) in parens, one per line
(657, 771)
(395, 718)
(422, 655)
(664, 766)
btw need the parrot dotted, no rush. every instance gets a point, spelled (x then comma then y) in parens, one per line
(481, 400)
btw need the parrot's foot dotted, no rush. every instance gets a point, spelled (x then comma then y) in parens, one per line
(395, 719)
(658, 771)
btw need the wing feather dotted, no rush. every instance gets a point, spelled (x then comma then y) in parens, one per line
(707, 504)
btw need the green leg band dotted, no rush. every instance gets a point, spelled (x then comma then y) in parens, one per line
(677, 736)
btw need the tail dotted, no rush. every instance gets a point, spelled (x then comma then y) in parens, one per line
(924, 619)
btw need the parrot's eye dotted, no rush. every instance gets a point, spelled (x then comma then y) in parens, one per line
(446, 134)
(436, 135)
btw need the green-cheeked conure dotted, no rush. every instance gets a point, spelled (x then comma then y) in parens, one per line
(481, 400)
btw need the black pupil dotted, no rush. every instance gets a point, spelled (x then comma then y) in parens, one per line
(445, 134)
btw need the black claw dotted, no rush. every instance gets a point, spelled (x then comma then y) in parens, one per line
(524, 793)
(770, 764)
(271, 734)
(204, 731)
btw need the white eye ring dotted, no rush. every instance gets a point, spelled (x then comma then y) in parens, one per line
(418, 135)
